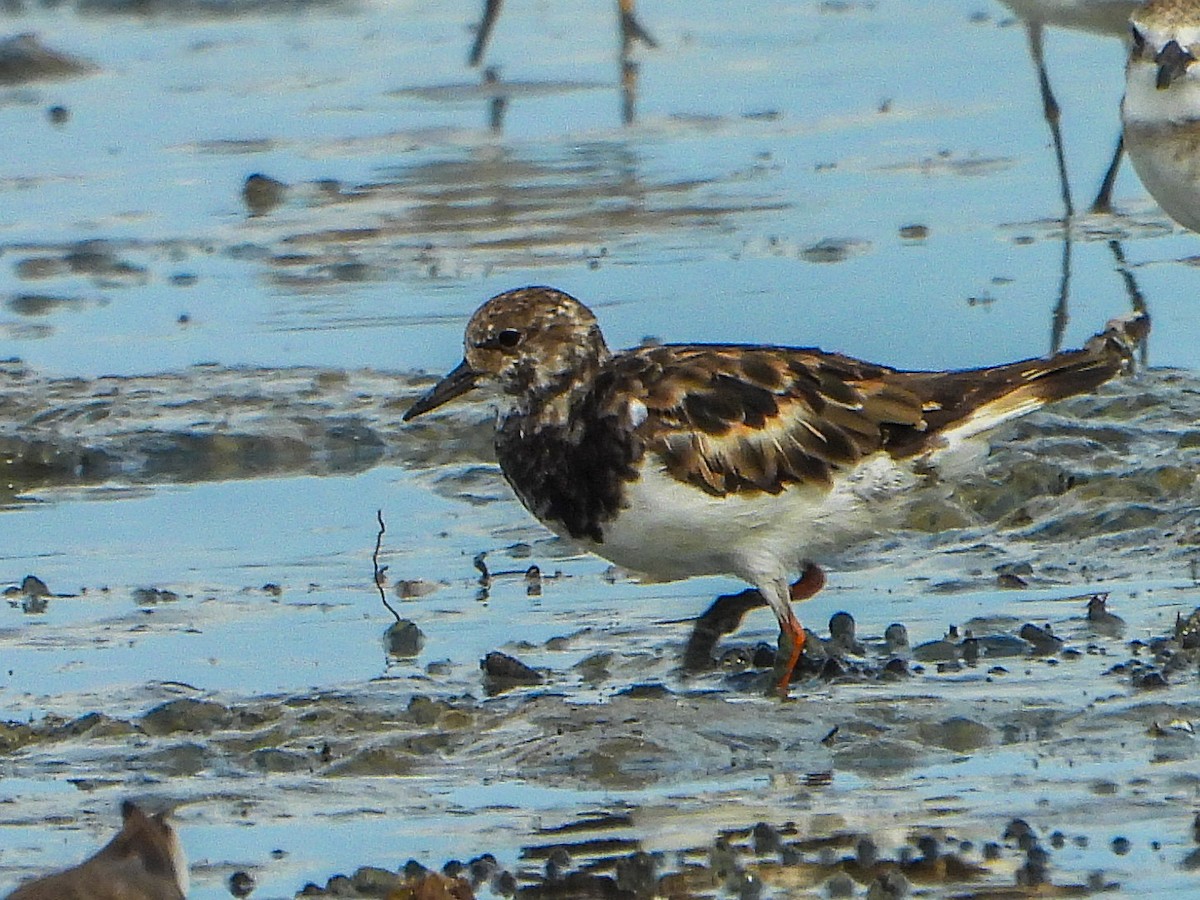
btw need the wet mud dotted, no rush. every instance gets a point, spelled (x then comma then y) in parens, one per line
(906, 746)
(998, 695)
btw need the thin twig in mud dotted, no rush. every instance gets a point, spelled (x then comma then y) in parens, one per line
(379, 572)
(485, 577)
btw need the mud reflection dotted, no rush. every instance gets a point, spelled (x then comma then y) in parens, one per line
(523, 208)
(201, 424)
(25, 58)
(179, 9)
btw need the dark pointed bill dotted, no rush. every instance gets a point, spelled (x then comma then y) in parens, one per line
(1173, 61)
(460, 380)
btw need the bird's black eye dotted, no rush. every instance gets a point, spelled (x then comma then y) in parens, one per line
(508, 338)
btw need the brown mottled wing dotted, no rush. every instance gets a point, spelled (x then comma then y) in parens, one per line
(729, 419)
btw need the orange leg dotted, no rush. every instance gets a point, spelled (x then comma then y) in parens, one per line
(791, 632)
(791, 643)
(811, 580)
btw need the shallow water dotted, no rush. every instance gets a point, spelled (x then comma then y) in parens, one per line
(208, 403)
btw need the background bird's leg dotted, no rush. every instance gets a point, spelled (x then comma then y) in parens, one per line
(1103, 201)
(631, 28)
(491, 10)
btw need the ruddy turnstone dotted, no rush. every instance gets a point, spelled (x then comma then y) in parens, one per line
(713, 459)
(143, 862)
(1161, 109)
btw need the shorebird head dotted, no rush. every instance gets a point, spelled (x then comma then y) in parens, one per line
(1166, 33)
(530, 342)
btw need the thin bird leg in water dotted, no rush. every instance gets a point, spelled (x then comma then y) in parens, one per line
(631, 28)
(791, 632)
(1103, 201)
(491, 11)
(1051, 113)
(791, 645)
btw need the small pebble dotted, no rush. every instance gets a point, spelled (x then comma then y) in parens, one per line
(746, 886)
(558, 863)
(928, 846)
(482, 868)
(505, 884)
(1043, 641)
(840, 885)
(766, 839)
(404, 639)
(636, 874)
(895, 639)
(261, 193)
(241, 884)
(413, 870)
(1018, 830)
(722, 860)
(888, 886)
(842, 630)
(501, 672)
(533, 582)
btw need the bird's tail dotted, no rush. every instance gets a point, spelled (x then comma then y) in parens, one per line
(963, 404)
(1121, 337)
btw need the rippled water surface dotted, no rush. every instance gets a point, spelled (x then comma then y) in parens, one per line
(201, 420)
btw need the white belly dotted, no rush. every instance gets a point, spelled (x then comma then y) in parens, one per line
(670, 530)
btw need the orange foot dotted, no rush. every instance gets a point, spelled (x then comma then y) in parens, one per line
(791, 632)
(791, 643)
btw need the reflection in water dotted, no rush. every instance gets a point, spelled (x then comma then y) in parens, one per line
(24, 58)
(1137, 299)
(1104, 17)
(525, 207)
(495, 91)
(631, 30)
(1109, 17)
(1161, 109)
(1061, 316)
